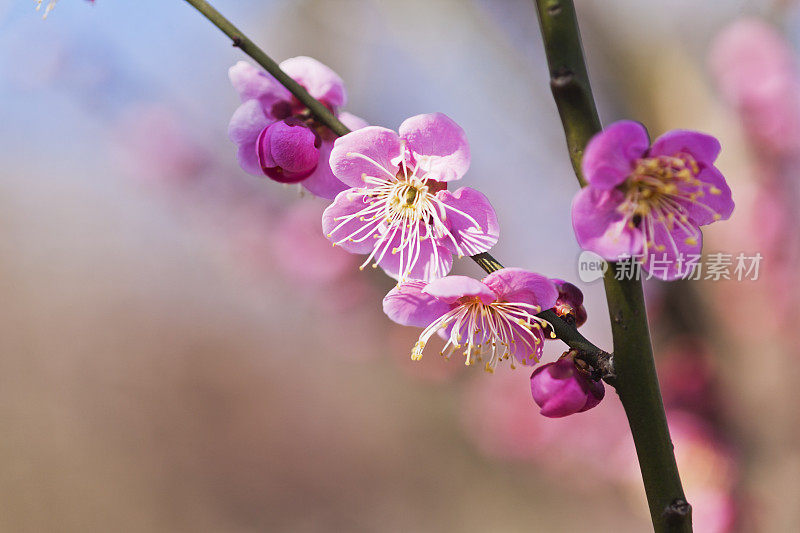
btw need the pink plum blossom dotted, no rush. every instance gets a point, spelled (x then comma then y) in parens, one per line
(277, 136)
(495, 317)
(398, 210)
(649, 201)
(560, 389)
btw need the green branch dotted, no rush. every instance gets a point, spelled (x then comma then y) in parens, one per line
(636, 379)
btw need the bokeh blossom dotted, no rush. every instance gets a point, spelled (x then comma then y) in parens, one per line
(399, 210)
(756, 71)
(649, 201)
(277, 136)
(561, 389)
(494, 317)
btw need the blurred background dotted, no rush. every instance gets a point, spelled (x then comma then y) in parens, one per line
(182, 350)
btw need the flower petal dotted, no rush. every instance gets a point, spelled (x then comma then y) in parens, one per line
(449, 289)
(322, 182)
(599, 227)
(438, 145)
(610, 155)
(703, 147)
(434, 261)
(369, 151)
(716, 198)
(253, 83)
(519, 285)
(463, 208)
(318, 79)
(351, 232)
(409, 305)
(245, 126)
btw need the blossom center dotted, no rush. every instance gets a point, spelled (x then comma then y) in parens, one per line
(401, 212)
(657, 194)
(494, 331)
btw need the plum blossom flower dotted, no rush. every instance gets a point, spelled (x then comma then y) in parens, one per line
(649, 201)
(493, 318)
(561, 389)
(277, 136)
(399, 210)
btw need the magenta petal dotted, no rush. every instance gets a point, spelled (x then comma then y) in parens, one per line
(610, 155)
(245, 126)
(597, 392)
(373, 151)
(599, 227)
(318, 79)
(409, 305)
(451, 288)
(557, 389)
(716, 198)
(287, 151)
(434, 262)
(470, 239)
(519, 285)
(348, 203)
(322, 182)
(671, 248)
(438, 145)
(704, 148)
(253, 83)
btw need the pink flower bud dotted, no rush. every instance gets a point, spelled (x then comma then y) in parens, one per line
(570, 302)
(288, 150)
(561, 390)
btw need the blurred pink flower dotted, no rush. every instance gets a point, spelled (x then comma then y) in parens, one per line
(300, 249)
(156, 146)
(500, 417)
(755, 69)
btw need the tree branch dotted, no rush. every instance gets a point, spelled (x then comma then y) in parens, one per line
(636, 380)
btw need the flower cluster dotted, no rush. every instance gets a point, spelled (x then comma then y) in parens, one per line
(391, 203)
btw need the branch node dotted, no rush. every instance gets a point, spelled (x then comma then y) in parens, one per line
(237, 42)
(554, 8)
(677, 512)
(562, 77)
